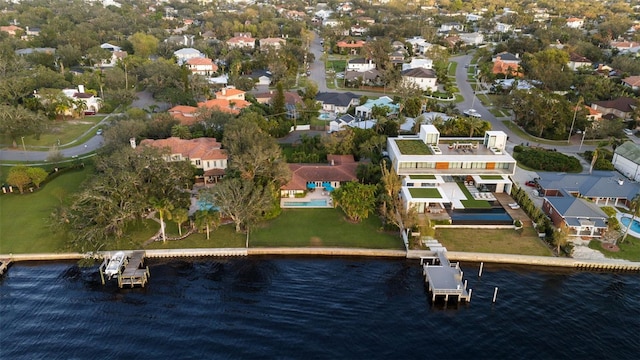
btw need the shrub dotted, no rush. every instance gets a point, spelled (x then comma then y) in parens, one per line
(518, 148)
(548, 160)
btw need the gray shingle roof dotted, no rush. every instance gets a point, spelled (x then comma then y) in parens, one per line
(337, 99)
(575, 209)
(419, 73)
(598, 184)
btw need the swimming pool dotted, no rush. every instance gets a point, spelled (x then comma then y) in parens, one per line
(324, 116)
(205, 205)
(311, 203)
(495, 216)
(635, 226)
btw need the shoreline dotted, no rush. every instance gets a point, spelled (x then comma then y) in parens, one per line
(507, 259)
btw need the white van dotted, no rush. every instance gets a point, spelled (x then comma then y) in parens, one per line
(627, 132)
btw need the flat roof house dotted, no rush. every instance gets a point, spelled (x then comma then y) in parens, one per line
(434, 172)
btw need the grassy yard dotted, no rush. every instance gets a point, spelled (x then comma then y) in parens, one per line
(472, 203)
(322, 227)
(223, 237)
(24, 219)
(425, 193)
(523, 242)
(520, 133)
(629, 249)
(413, 147)
(67, 131)
(337, 65)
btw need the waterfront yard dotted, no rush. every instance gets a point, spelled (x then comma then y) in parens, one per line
(322, 228)
(629, 249)
(499, 241)
(25, 219)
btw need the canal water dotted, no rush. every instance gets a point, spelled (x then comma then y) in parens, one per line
(314, 308)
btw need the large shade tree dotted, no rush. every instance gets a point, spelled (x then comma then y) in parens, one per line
(355, 199)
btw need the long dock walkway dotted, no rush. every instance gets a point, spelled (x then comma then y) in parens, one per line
(443, 278)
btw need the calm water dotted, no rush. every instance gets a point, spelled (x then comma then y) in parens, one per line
(314, 308)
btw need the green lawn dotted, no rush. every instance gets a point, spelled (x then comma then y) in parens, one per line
(425, 193)
(491, 177)
(67, 131)
(223, 237)
(413, 147)
(472, 203)
(322, 227)
(629, 249)
(422, 177)
(520, 133)
(337, 65)
(24, 219)
(500, 241)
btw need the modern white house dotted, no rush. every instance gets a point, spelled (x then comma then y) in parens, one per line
(418, 63)
(360, 65)
(626, 159)
(441, 174)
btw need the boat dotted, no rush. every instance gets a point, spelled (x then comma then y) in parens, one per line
(115, 264)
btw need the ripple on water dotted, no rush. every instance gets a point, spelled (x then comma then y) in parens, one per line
(314, 308)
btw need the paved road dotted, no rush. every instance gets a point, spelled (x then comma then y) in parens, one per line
(496, 124)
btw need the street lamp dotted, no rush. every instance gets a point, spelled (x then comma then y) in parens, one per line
(23, 147)
(582, 141)
(573, 122)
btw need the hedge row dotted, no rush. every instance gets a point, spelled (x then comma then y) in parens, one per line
(546, 160)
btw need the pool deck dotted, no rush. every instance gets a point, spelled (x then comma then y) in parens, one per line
(318, 194)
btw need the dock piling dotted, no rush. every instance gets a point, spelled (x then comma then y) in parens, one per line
(480, 272)
(495, 294)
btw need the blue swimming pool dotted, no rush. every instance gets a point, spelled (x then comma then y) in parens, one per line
(635, 226)
(205, 205)
(494, 216)
(324, 116)
(311, 203)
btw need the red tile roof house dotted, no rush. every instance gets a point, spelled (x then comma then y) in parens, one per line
(203, 153)
(272, 44)
(187, 115)
(351, 47)
(307, 177)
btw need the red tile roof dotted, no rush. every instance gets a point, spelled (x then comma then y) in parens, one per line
(200, 148)
(301, 174)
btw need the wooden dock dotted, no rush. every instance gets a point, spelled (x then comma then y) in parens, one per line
(443, 278)
(4, 265)
(133, 272)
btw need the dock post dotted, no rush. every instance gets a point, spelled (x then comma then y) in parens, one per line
(495, 294)
(469, 297)
(465, 284)
(101, 275)
(480, 272)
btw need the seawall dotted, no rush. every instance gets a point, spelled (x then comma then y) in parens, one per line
(323, 251)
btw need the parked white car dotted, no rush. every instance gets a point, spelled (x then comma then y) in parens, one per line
(472, 112)
(628, 132)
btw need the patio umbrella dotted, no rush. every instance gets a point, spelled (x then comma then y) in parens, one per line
(311, 185)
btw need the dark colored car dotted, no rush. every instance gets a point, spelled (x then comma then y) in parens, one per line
(531, 183)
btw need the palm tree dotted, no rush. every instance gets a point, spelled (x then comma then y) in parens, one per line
(163, 207)
(594, 158)
(560, 238)
(474, 124)
(180, 215)
(207, 219)
(634, 206)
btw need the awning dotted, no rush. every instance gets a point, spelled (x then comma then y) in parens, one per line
(311, 186)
